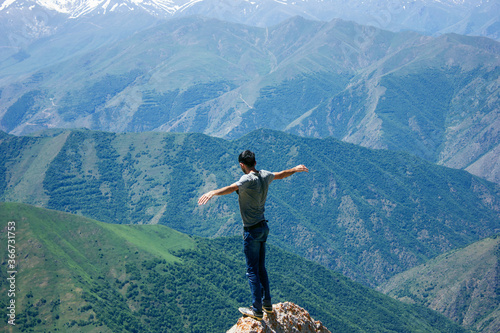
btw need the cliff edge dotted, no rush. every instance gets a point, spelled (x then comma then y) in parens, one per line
(286, 318)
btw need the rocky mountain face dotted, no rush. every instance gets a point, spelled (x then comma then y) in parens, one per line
(286, 318)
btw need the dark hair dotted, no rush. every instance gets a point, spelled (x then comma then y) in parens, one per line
(248, 158)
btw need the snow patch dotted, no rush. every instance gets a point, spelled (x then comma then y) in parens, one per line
(189, 4)
(6, 4)
(105, 6)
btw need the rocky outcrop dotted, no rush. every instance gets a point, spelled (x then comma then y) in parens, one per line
(286, 318)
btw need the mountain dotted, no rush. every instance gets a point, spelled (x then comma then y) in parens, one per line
(462, 284)
(432, 97)
(78, 275)
(369, 214)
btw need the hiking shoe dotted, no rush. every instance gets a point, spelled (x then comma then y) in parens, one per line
(249, 312)
(267, 308)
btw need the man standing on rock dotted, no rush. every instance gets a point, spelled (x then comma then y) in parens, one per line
(252, 194)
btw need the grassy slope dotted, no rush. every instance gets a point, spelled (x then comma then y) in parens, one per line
(462, 284)
(76, 274)
(60, 256)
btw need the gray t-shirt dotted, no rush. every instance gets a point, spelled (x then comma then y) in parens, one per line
(252, 195)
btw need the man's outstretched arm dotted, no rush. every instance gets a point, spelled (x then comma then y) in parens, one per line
(289, 172)
(222, 191)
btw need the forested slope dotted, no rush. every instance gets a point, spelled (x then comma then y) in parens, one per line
(367, 213)
(79, 275)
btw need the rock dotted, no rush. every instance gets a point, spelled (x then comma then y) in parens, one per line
(286, 318)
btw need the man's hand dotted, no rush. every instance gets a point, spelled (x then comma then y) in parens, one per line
(222, 191)
(301, 168)
(205, 197)
(289, 172)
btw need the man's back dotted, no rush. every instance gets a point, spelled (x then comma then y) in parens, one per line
(252, 191)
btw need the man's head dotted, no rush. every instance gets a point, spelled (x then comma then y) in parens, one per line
(247, 158)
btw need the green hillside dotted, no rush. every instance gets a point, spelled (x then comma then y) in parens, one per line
(461, 284)
(80, 275)
(369, 214)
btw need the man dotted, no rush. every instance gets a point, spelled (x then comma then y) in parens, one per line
(252, 193)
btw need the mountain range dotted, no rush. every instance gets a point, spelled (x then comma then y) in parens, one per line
(369, 214)
(434, 97)
(468, 17)
(74, 274)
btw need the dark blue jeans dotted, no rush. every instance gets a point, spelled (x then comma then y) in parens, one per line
(254, 246)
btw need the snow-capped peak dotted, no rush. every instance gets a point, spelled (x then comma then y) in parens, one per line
(76, 8)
